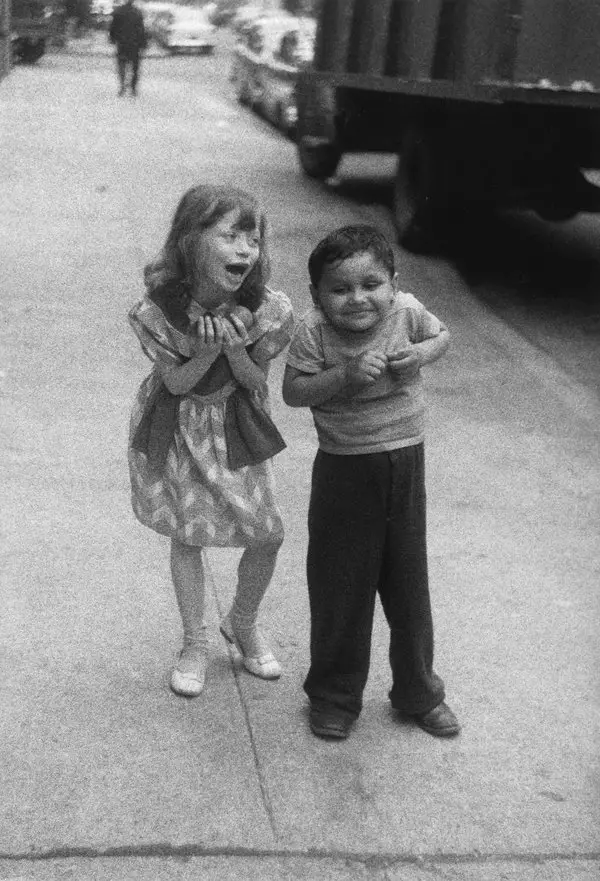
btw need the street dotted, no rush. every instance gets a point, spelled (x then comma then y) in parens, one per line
(105, 773)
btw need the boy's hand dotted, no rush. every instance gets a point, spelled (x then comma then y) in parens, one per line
(209, 331)
(405, 364)
(365, 369)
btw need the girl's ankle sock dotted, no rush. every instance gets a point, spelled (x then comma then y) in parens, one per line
(251, 640)
(195, 649)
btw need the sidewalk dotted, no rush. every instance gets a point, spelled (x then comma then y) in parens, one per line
(96, 42)
(107, 775)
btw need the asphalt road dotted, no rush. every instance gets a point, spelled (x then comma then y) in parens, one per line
(104, 773)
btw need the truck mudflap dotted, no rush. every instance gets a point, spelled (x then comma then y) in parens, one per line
(319, 149)
(316, 105)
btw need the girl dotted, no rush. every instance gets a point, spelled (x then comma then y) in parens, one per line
(201, 440)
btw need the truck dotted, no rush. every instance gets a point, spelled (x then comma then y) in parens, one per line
(485, 102)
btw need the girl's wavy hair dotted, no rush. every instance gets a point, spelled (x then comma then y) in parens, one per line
(200, 208)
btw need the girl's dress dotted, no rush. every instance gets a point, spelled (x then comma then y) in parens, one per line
(195, 496)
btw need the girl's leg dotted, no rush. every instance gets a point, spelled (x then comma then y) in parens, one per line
(255, 572)
(189, 581)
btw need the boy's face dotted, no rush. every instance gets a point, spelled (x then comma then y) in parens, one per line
(355, 294)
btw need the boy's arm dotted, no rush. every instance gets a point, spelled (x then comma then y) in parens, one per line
(311, 389)
(406, 364)
(432, 349)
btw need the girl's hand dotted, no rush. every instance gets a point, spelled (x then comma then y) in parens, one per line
(365, 369)
(404, 365)
(235, 335)
(209, 330)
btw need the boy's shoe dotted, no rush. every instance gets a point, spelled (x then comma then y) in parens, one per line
(329, 723)
(187, 678)
(441, 721)
(259, 660)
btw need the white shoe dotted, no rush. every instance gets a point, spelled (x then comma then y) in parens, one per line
(265, 666)
(187, 678)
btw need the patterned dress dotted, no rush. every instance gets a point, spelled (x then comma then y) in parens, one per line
(195, 497)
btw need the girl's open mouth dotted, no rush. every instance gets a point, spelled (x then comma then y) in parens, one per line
(237, 269)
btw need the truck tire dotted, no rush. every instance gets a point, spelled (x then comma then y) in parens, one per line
(416, 192)
(32, 52)
(319, 161)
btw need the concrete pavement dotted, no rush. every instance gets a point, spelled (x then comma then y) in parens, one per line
(105, 773)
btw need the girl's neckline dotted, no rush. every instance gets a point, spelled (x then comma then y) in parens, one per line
(195, 309)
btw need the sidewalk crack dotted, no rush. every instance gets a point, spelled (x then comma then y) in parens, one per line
(264, 792)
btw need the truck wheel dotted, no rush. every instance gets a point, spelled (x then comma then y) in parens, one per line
(558, 212)
(32, 52)
(242, 92)
(318, 160)
(415, 192)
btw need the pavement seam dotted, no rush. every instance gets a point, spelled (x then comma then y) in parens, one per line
(236, 673)
(381, 860)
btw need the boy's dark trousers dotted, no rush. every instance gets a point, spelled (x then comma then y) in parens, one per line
(367, 535)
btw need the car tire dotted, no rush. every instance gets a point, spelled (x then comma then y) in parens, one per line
(242, 92)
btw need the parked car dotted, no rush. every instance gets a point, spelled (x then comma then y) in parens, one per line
(224, 12)
(247, 14)
(280, 73)
(101, 12)
(269, 55)
(250, 45)
(30, 29)
(185, 29)
(152, 10)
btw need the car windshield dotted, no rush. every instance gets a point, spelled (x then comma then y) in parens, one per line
(297, 46)
(305, 47)
(272, 32)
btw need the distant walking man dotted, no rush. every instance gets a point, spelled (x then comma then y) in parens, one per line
(127, 32)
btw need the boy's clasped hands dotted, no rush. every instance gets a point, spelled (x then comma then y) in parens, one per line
(366, 368)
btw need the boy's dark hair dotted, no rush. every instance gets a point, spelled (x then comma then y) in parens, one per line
(346, 242)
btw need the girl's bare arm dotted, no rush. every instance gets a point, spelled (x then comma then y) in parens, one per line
(249, 373)
(180, 379)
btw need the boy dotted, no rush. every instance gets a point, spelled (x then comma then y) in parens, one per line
(355, 360)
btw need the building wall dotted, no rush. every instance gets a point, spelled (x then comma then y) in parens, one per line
(4, 37)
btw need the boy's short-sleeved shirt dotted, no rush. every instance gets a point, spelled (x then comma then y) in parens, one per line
(385, 415)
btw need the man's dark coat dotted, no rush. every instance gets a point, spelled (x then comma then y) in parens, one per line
(127, 29)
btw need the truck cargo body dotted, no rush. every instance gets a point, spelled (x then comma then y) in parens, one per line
(485, 100)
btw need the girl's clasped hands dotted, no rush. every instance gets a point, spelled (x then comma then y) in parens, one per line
(227, 333)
